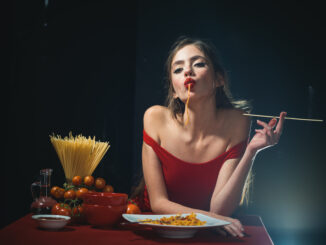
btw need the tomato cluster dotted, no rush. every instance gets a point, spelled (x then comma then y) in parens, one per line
(70, 197)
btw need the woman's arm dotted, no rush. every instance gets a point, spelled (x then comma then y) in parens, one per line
(232, 176)
(228, 190)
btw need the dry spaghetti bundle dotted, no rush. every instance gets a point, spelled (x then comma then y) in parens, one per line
(79, 155)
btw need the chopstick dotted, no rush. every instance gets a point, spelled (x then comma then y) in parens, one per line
(291, 118)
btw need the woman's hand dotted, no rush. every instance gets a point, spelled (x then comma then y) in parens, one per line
(268, 136)
(235, 227)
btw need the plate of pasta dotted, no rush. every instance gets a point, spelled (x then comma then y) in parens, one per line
(176, 225)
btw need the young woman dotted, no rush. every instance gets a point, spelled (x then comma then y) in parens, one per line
(197, 158)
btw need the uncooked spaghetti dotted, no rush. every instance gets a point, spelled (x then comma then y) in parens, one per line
(79, 155)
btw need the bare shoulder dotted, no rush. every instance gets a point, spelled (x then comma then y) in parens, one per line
(239, 125)
(154, 119)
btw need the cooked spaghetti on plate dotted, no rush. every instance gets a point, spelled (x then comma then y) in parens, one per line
(189, 220)
(176, 225)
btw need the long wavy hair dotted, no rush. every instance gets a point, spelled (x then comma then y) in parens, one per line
(223, 95)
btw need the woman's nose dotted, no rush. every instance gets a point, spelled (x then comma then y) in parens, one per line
(188, 72)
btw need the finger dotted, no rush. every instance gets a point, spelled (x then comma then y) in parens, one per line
(238, 224)
(269, 127)
(235, 228)
(272, 122)
(266, 126)
(279, 127)
(230, 230)
(263, 124)
(266, 132)
(271, 137)
(269, 133)
(273, 140)
(260, 131)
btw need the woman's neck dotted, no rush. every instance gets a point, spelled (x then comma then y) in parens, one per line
(203, 116)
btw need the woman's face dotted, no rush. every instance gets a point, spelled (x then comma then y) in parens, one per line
(190, 65)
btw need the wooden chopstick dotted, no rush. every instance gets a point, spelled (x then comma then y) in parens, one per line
(291, 118)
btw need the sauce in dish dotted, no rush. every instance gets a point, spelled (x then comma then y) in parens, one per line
(50, 219)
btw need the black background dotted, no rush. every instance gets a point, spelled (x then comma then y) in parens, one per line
(93, 67)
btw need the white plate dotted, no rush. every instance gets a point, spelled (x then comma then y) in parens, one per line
(51, 224)
(175, 231)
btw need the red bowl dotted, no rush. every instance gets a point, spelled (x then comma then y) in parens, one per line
(105, 198)
(103, 215)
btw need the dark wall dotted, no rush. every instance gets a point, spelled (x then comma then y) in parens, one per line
(72, 69)
(274, 54)
(95, 67)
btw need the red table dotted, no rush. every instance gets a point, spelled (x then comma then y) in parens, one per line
(25, 231)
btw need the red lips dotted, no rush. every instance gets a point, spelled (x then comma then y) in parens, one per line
(189, 81)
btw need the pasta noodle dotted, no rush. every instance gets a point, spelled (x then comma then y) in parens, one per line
(187, 105)
(189, 220)
(79, 155)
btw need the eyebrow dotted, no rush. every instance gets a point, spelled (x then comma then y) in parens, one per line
(193, 58)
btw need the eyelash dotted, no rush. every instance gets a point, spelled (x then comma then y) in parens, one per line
(199, 64)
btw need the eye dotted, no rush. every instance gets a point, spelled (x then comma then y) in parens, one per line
(200, 64)
(178, 70)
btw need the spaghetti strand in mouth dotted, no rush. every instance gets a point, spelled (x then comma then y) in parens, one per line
(187, 113)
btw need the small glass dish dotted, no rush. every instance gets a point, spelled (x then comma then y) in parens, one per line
(50, 221)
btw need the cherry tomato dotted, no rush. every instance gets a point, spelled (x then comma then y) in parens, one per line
(55, 208)
(57, 192)
(89, 180)
(54, 189)
(133, 209)
(108, 188)
(61, 192)
(70, 194)
(77, 180)
(64, 211)
(80, 192)
(100, 183)
(77, 211)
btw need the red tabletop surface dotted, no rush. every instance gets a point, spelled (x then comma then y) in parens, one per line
(25, 231)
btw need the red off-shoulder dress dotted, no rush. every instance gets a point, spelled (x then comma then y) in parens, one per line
(189, 184)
